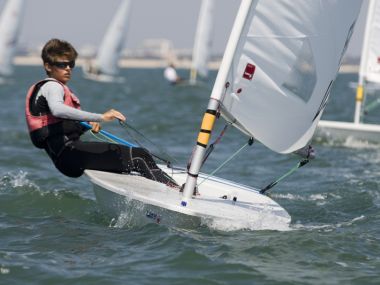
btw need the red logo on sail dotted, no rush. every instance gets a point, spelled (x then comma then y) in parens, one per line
(249, 71)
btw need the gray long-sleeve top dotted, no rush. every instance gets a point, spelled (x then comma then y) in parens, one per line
(54, 94)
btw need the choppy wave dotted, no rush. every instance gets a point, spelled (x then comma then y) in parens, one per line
(350, 142)
(329, 227)
(16, 179)
(313, 197)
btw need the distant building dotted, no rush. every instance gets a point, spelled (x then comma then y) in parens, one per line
(155, 48)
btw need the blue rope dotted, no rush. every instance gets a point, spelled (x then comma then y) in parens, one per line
(110, 136)
(116, 139)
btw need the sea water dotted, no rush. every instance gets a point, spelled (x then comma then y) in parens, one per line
(52, 230)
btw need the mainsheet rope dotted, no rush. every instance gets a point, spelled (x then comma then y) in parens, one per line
(127, 126)
(101, 136)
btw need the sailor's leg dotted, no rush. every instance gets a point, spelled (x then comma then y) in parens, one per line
(114, 158)
(97, 156)
(144, 163)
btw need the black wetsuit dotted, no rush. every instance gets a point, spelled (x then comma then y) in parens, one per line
(72, 156)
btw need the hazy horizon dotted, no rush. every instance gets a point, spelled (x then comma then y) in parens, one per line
(83, 22)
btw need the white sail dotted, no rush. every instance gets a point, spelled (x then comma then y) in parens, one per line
(277, 70)
(370, 58)
(369, 72)
(286, 58)
(10, 22)
(202, 42)
(113, 41)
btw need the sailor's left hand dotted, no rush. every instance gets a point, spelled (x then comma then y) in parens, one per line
(112, 115)
(95, 127)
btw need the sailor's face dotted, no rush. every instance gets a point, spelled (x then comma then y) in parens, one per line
(60, 69)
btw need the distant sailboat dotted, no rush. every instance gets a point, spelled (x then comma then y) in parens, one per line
(10, 23)
(201, 49)
(202, 42)
(105, 67)
(273, 84)
(369, 73)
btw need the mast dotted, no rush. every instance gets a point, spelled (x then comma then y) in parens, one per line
(210, 114)
(360, 91)
(193, 75)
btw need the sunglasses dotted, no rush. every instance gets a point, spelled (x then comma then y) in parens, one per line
(63, 64)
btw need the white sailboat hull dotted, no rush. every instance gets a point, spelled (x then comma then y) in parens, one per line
(144, 201)
(105, 78)
(343, 131)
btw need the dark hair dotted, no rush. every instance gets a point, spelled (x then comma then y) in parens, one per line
(57, 48)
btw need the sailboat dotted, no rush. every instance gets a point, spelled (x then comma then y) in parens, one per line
(369, 73)
(201, 49)
(10, 23)
(105, 67)
(273, 84)
(202, 42)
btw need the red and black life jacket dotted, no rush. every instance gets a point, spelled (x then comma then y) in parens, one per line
(41, 123)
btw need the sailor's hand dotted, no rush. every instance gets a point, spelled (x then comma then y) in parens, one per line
(95, 127)
(112, 115)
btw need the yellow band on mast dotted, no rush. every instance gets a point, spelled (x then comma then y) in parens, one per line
(359, 93)
(206, 127)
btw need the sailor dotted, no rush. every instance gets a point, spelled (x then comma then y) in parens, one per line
(171, 75)
(53, 116)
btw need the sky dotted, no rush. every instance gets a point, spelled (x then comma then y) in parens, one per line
(83, 22)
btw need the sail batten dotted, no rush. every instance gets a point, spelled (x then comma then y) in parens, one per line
(287, 55)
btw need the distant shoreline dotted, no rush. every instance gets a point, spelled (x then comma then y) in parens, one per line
(155, 63)
(124, 63)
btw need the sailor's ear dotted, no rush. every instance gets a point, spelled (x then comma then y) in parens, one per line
(47, 67)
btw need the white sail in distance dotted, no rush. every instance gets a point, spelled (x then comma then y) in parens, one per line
(113, 41)
(280, 73)
(202, 42)
(10, 23)
(370, 58)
